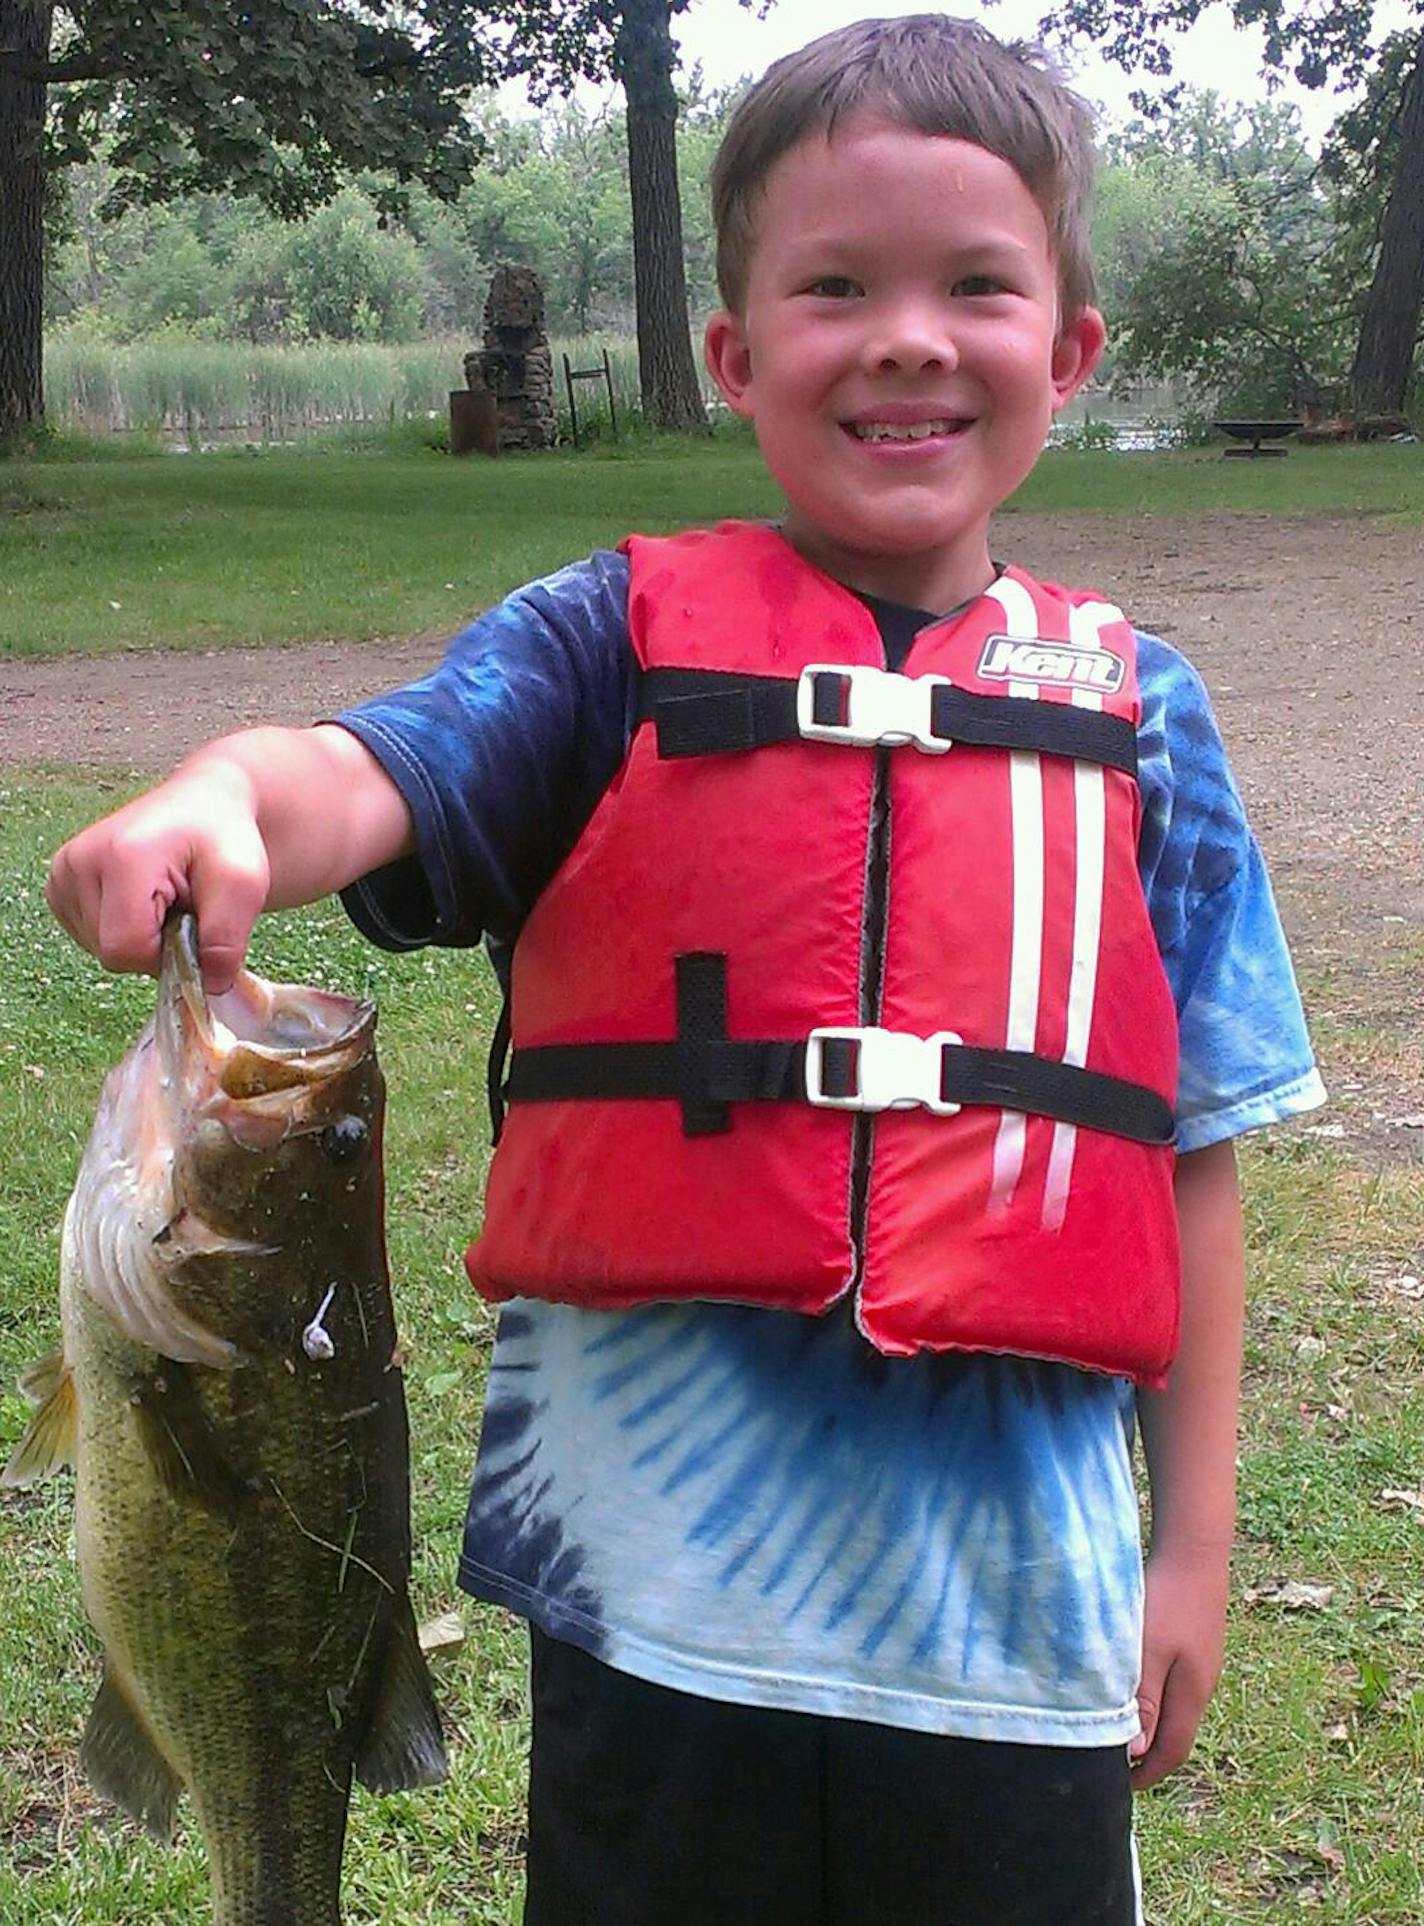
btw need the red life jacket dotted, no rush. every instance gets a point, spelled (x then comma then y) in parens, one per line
(981, 1148)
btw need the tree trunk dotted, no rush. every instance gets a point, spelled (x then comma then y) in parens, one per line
(1389, 328)
(643, 60)
(24, 36)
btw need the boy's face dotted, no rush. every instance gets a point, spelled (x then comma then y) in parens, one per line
(899, 352)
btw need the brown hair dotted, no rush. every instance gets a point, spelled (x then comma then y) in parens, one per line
(937, 75)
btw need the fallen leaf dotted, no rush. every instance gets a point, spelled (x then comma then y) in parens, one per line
(1291, 1595)
(1403, 1501)
(441, 1636)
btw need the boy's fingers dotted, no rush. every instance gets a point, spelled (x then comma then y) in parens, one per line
(112, 924)
(1148, 1707)
(227, 902)
(1169, 1729)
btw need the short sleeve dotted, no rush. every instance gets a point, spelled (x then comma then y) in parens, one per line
(501, 755)
(1246, 1058)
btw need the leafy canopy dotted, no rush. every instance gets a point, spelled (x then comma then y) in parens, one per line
(277, 98)
(1321, 42)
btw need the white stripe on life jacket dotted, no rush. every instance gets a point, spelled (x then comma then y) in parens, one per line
(1026, 952)
(1086, 622)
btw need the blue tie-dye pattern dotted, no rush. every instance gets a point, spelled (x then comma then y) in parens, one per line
(756, 1506)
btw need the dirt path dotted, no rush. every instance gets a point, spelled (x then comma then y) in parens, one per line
(1308, 629)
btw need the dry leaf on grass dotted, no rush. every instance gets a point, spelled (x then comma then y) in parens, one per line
(1290, 1595)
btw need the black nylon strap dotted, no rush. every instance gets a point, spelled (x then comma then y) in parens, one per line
(708, 712)
(1018, 1080)
(494, 1071)
(735, 1071)
(701, 1028)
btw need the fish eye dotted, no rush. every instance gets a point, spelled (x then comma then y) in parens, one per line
(344, 1139)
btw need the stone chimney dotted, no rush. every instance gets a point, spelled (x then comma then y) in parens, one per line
(516, 363)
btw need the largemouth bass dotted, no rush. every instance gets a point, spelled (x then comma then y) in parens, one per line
(229, 1393)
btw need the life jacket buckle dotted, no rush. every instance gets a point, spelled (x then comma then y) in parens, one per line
(884, 1069)
(874, 707)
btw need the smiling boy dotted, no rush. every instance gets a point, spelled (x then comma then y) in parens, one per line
(892, 967)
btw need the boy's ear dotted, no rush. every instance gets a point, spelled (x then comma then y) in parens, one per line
(1077, 351)
(729, 360)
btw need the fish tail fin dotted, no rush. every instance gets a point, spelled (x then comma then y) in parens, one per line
(124, 1764)
(48, 1440)
(402, 1745)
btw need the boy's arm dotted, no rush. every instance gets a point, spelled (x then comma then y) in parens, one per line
(1189, 1438)
(264, 819)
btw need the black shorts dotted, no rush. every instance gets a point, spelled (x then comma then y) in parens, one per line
(649, 1807)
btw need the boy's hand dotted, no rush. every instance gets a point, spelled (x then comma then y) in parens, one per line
(194, 841)
(1183, 1638)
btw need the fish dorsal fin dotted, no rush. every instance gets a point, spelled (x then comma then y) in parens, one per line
(402, 1745)
(124, 1764)
(48, 1440)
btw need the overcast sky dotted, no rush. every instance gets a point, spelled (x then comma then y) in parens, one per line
(730, 41)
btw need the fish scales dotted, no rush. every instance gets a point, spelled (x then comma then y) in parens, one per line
(239, 1435)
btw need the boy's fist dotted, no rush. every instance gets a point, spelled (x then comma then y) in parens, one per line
(193, 841)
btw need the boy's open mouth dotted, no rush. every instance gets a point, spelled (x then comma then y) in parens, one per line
(940, 427)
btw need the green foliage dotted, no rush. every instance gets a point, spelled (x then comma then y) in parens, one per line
(1218, 253)
(1321, 45)
(1088, 436)
(552, 195)
(282, 103)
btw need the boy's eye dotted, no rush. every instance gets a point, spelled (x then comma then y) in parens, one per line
(972, 284)
(838, 287)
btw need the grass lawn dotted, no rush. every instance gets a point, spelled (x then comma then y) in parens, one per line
(1305, 1799)
(317, 543)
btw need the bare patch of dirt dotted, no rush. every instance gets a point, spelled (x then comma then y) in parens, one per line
(1309, 631)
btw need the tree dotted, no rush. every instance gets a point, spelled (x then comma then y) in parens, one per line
(279, 98)
(631, 40)
(1216, 247)
(1321, 42)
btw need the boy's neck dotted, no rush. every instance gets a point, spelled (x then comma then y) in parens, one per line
(943, 580)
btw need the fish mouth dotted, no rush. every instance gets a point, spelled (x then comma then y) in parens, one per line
(256, 1041)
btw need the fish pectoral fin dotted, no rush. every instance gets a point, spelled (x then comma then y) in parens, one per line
(179, 1442)
(123, 1763)
(187, 1236)
(39, 1381)
(48, 1440)
(402, 1745)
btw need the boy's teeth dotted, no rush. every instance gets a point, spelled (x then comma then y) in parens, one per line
(884, 431)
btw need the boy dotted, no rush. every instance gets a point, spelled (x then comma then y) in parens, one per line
(835, 1617)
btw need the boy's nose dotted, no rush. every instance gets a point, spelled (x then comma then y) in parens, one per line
(910, 340)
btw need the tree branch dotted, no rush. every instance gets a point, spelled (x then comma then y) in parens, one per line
(59, 73)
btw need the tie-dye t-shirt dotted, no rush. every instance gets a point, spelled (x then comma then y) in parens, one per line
(756, 1506)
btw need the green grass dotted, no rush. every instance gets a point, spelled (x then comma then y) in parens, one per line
(1384, 479)
(213, 550)
(1304, 1801)
(316, 544)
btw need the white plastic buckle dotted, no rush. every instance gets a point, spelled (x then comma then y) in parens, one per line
(894, 1070)
(881, 708)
